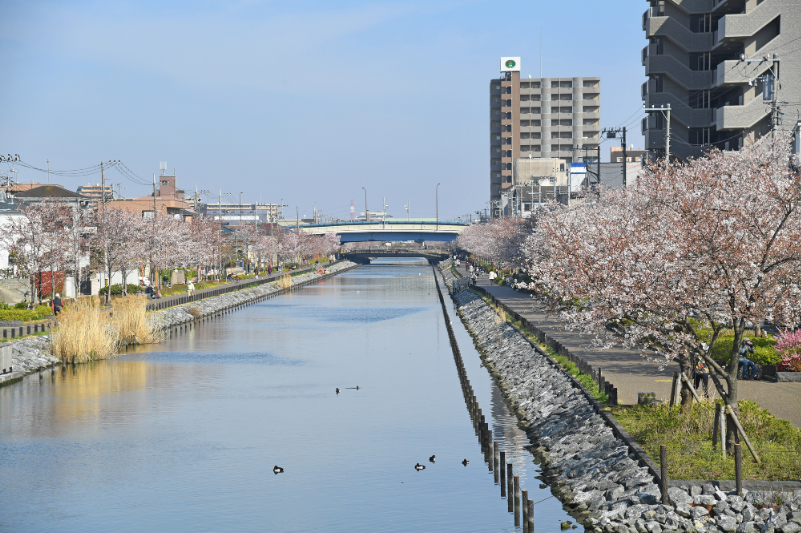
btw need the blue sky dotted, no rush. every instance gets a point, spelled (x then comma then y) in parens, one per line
(303, 101)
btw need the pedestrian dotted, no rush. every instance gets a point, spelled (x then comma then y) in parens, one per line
(748, 366)
(190, 287)
(57, 304)
(270, 270)
(701, 373)
(158, 293)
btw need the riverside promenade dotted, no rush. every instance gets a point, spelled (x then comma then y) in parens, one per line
(628, 371)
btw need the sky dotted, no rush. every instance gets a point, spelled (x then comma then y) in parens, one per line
(300, 102)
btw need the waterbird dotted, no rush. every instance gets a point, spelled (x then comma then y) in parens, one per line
(432, 458)
(465, 462)
(418, 466)
(277, 469)
(337, 390)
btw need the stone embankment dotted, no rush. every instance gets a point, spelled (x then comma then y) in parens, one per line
(182, 314)
(593, 471)
(34, 353)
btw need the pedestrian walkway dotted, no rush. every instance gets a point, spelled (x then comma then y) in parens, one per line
(628, 371)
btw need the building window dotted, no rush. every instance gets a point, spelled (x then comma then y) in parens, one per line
(554, 110)
(566, 122)
(554, 85)
(535, 97)
(590, 84)
(554, 135)
(565, 135)
(566, 85)
(565, 109)
(535, 85)
(554, 123)
(566, 97)
(701, 61)
(535, 110)
(536, 123)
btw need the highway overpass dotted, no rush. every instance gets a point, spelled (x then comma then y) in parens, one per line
(391, 230)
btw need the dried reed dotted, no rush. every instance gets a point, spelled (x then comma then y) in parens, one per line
(285, 282)
(132, 323)
(85, 332)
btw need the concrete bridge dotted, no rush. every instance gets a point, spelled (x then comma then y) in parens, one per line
(365, 256)
(391, 230)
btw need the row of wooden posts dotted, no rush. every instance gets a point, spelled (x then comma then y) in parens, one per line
(493, 455)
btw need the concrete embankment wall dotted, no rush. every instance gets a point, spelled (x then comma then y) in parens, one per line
(591, 469)
(183, 314)
(35, 353)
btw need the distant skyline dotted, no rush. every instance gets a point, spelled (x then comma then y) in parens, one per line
(305, 101)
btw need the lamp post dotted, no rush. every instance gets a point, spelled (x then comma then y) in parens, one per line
(366, 216)
(437, 200)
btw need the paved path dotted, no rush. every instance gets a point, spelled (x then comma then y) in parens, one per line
(629, 372)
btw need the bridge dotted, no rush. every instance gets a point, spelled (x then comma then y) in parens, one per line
(391, 230)
(364, 257)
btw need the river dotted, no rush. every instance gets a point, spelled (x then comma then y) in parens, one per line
(184, 435)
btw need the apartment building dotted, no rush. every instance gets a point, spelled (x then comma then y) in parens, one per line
(95, 193)
(553, 118)
(711, 61)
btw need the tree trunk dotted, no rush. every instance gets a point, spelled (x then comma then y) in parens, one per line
(731, 381)
(685, 365)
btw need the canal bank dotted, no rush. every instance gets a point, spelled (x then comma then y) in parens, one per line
(591, 468)
(33, 354)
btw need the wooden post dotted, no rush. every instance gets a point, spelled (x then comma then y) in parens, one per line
(509, 480)
(742, 433)
(495, 460)
(738, 468)
(673, 389)
(716, 426)
(530, 516)
(502, 468)
(524, 502)
(663, 474)
(517, 500)
(723, 432)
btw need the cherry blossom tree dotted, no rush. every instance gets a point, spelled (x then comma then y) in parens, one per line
(695, 250)
(120, 244)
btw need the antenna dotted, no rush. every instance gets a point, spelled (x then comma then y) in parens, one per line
(163, 167)
(540, 53)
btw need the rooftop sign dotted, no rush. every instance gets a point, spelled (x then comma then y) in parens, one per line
(510, 64)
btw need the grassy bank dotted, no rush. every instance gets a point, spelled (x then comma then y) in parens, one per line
(586, 380)
(688, 438)
(38, 313)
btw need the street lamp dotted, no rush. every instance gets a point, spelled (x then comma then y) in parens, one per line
(408, 203)
(366, 218)
(437, 198)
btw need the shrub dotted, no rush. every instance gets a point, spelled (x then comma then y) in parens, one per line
(789, 348)
(116, 289)
(23, 314)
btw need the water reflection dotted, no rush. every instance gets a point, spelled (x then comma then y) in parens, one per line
(183, 436)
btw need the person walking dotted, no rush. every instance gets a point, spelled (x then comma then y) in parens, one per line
(748, 366)
(701, 373)
(190, 287)
(57, 304)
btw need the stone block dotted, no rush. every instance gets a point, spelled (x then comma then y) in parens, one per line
(791, 527)
(727, 523)
(704, 499)
(746, 527)
(677, 496)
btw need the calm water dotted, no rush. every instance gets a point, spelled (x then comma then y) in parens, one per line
(183, 436)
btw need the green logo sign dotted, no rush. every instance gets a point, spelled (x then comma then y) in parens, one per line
(510, 63)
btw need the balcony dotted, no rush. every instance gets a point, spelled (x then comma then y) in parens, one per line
(681, 35)
(732, 117)
(679, 72)
(738, 26)
(679, 111)
(728, 73)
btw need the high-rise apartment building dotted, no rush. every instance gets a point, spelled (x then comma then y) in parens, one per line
(728, 68)
(95, 192)
(555, 118)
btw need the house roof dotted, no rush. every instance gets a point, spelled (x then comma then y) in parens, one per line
(48, 191)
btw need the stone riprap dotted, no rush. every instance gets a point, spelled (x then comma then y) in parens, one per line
(29, 355)
(590, 469)
(182, 314)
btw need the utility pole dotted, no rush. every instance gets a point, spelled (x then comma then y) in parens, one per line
(219, 216)
(666, 113)
(437, 199)
(48, 171)
(770, 87)
(611, 133)
(103, 224)
(156, 273)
